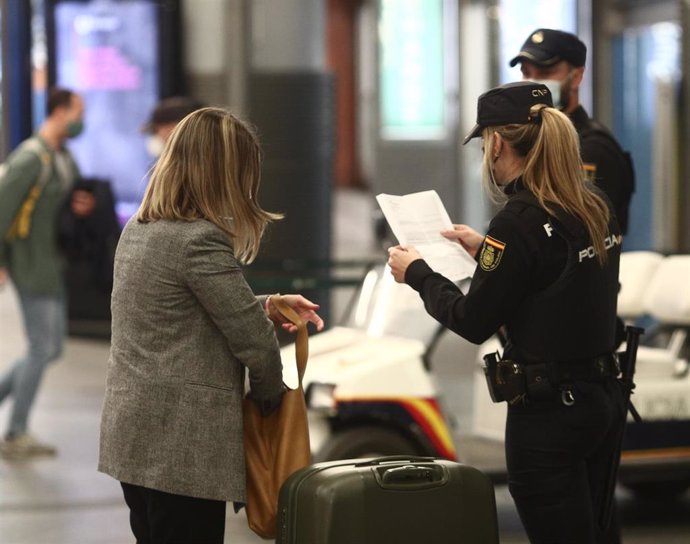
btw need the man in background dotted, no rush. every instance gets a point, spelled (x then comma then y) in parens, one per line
(557, 59)
(37, 178)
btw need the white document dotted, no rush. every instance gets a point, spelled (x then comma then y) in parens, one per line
(417, 220)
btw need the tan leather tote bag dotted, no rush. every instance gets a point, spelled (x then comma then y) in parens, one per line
(276, 445)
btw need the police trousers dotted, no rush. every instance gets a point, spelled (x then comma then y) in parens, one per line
(558, 457)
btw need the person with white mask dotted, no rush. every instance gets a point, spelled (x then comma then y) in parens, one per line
(164, 118)
(557, 59)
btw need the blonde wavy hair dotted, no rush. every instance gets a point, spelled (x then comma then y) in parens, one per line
(553, 170)
(210, 169)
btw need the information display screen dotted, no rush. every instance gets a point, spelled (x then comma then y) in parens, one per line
(107, 51)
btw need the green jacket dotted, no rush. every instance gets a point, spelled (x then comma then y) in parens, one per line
(34, 263)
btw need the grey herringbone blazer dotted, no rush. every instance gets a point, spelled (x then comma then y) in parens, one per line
(185, 325)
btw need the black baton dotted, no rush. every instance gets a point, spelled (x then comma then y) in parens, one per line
(632, 341)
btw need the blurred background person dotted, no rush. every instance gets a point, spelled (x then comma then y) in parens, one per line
(39, 177)
(557, 59)
(164, 118)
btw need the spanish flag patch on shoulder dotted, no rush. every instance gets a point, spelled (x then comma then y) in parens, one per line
(490, 256)
(590, 171)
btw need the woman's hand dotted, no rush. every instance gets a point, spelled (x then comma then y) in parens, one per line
(83, 203)
(399, 258)
(466, 236)
(305, 308)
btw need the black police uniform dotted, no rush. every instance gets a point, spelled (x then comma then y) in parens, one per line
(538, 276)
(606, 163)
(610, 166)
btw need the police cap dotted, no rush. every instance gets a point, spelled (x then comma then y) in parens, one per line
(546, 47)
(508, 104)
(171, 110)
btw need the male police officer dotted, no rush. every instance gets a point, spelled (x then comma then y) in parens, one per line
(557, 59)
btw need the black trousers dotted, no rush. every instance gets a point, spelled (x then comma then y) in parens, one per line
(558, 459)
(157, 517)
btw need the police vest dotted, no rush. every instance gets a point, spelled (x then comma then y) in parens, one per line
(575, 317)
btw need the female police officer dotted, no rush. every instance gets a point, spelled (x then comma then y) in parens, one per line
(547, 271)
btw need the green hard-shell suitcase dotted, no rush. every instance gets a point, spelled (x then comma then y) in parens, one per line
(389, 500)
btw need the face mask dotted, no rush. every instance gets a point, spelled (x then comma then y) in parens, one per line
(154, 146)
(555, 87)
(75, 128)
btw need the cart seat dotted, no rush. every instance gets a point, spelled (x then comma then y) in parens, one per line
(637, 269)
(667, 296)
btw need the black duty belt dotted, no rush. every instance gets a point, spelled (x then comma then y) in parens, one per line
(587, 370)
(517, 382)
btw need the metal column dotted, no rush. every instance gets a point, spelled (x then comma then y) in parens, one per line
(16, 72)
(290, 99)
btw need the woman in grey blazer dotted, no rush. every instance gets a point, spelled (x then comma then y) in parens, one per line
(185, 325)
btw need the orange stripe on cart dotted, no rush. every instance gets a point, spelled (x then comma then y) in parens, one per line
(427, 415)
(635, 455)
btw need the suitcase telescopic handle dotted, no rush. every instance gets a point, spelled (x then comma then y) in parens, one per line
(394, 459)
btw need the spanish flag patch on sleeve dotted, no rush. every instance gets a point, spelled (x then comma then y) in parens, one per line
(490, 256)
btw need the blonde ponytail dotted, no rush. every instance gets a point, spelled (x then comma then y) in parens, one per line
(553, 170)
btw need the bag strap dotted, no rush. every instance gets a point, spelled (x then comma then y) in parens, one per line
(22, 222)
(302, 342)
(34, 145)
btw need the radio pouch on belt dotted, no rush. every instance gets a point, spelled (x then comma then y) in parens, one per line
(539, 385)
(490, 373)
(505, 379)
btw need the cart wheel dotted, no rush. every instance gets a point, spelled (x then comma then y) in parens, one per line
(360, 442)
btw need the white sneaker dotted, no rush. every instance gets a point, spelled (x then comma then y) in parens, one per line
(25, 446)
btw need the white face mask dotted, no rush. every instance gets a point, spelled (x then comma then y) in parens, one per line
(555, 87)
(154, 146)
